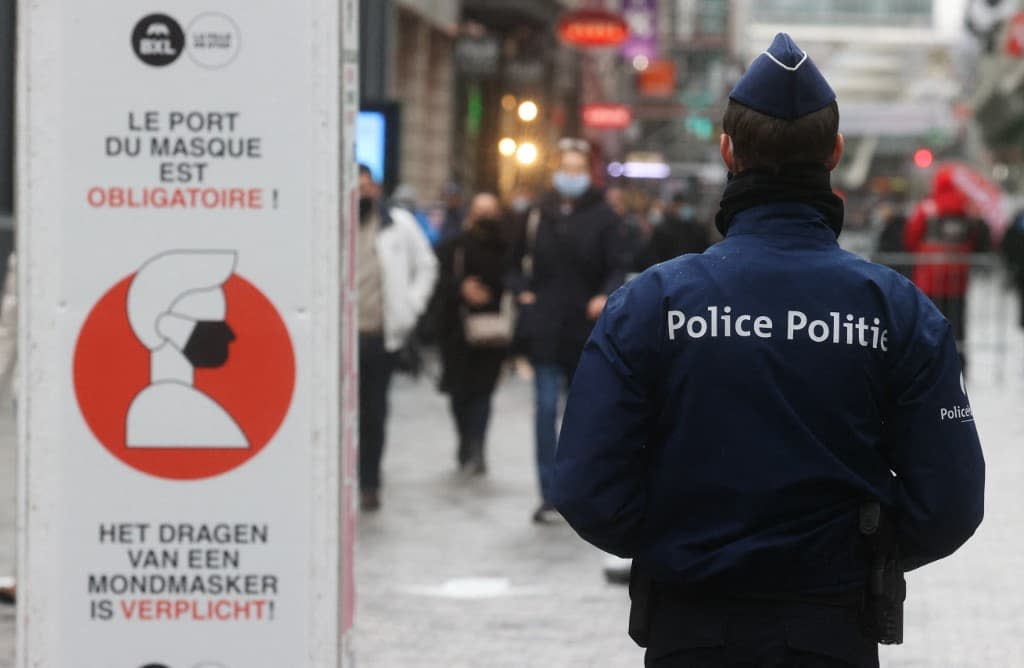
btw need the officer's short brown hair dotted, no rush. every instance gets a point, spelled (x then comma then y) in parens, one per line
(760, 141)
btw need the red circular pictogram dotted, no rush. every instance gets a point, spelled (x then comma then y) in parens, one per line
(254, 386)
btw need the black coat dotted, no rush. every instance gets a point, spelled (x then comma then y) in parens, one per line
(891, 241)
(467, 369)
(577, 254)
(1013, 249)
(675, 237)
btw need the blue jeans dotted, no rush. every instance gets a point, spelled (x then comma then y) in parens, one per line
(549, 380)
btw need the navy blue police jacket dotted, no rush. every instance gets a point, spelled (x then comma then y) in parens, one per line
(732, 410)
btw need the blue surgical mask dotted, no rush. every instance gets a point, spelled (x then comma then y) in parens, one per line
(687, 212)
(520, 204)
(571, 186)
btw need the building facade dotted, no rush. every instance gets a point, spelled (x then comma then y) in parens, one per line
(998, 96)
(509, 54)
(407, 58)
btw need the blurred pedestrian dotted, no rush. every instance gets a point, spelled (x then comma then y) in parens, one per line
(472, 275)
(8, 333)
(519, 202)
(678, 233)
(521, 199)
(569, 259)
(1013, 251)
(397, 271)
(616, 197)
(656, 212)
(635, 228)
(454, 210)
(759, 425)
(941, 233)
(8, 590)
(405, 196)
(890, 224)
(8, 365)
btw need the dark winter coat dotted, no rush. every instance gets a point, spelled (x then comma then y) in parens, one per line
(732, 411)
(675, 237)
(1013, 248)
(890, 241)
(577, 254)
(467, 369)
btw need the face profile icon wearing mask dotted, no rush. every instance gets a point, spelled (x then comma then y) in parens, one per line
(177, 310)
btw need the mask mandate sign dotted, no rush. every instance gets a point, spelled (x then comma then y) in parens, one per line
(180, 192)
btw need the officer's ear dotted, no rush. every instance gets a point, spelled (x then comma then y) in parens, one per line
(725, 146)
(837, 152)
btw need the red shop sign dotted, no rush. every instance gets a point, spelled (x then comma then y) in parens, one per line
(607, 116)
(592, 28)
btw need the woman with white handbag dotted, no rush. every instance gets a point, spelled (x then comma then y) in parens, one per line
(476, 321)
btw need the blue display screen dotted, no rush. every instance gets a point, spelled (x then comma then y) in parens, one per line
(371, 142)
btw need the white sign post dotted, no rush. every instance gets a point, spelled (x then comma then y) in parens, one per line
(183, 224)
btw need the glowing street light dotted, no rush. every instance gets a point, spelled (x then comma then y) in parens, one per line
(923, 158)
(507, 147)
(528, 111)
(526, 154)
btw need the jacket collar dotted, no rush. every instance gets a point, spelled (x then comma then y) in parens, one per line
(783, 219)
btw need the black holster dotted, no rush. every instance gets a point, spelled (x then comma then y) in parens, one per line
(886, 588)
(641, 603)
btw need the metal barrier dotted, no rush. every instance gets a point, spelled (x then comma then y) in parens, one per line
(973, 292)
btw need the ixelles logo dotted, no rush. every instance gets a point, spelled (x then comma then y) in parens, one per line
(212, 40)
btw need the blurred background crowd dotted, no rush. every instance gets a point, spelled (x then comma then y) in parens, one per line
(547, 150)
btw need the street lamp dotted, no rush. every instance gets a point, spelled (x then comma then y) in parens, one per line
(528, 111)
(923, 158)
(507, 147)
(526, 154)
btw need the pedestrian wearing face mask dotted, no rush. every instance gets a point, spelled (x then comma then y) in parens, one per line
(472, 275)
(568, 258)
(678, 233)
(396, 272)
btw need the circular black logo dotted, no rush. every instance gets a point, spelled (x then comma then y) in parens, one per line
(158, 40)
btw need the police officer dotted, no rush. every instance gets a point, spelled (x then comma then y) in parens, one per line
(733, 411)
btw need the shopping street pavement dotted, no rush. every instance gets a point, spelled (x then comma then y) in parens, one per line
(452, 574)
(436, 532)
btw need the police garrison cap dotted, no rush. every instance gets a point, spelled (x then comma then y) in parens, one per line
(783, 82)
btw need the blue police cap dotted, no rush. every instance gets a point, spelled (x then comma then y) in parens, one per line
(783, 82)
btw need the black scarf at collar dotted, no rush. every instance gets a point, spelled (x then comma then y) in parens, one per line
(803, 183)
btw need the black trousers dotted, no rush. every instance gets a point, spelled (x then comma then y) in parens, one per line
(472, 413)
(376, 366)
(757, 634)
